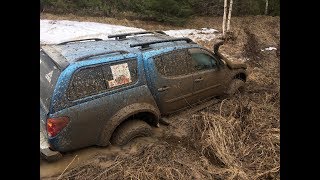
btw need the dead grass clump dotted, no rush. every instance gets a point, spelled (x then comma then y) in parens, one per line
(153, 161)
(243, 136)
(124, 21)
(252, 48)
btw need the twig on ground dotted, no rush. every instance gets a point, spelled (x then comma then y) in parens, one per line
(67, 167)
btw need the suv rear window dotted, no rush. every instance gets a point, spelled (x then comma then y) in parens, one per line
(49, 74)
(174, 63)
(95, 80)
(87, 82)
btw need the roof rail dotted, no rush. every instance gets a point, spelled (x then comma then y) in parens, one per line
(99, 54)
(89, 39)
(146, 44)
(124, 35)
(161, 32)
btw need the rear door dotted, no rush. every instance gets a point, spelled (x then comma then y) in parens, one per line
(173, 81)
(208, 74)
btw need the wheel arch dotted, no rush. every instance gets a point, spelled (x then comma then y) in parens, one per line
(144, 111)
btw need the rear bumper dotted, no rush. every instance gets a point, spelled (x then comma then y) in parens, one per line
(46, 152)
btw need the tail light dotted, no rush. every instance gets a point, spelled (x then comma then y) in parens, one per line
(55, 125)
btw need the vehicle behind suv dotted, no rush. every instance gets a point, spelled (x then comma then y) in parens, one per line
(97, 92)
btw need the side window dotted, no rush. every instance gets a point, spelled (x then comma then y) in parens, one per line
(94, 80)
(174, 63)
(202, 61)
(86, 82)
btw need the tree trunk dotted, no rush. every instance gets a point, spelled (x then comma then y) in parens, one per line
(266, 10)
(224, 17)
(229, 15)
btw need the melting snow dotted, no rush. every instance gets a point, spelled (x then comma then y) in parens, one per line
(269, 49)
(194, 34)
(56, 31)
(52, 32)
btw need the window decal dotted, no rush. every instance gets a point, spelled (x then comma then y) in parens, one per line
(121, 75)
(49, 76)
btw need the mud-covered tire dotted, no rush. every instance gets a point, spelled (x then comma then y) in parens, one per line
(129, 130)
(236, 86)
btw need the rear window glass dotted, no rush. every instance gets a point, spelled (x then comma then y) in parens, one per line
(49, 74)
(87, 82)
(102, 78)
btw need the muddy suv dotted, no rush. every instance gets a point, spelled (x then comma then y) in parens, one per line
(97, 92)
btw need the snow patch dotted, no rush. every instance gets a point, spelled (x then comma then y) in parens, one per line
(53, 32)
(204, 34)
(57, 31)
(269, 49)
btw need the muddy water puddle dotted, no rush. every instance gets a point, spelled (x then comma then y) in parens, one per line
(48, 169)
(77, 158)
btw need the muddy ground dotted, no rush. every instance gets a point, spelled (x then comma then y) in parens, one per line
(235, 138)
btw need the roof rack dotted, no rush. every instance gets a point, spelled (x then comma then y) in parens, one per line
(89, 39)
(161, 32)
(124, 35)
(99, 54)
(146, 44)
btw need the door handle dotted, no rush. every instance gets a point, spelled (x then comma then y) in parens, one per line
(164, 88)
(198, 80)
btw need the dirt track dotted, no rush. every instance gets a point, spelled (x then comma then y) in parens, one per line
(237, 138)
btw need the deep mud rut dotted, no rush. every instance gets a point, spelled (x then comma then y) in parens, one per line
(76, 158)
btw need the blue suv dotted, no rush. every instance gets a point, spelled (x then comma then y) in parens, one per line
(97, 92)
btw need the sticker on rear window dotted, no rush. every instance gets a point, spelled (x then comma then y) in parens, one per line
(49, 76)
(121, 75)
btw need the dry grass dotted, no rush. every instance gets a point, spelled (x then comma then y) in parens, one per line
(238, 138)
(235, 139)
(148, 25)
(243, 136)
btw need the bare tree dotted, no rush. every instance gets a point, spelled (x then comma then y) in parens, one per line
(224, 17)
(229, 15)
(266, 10)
